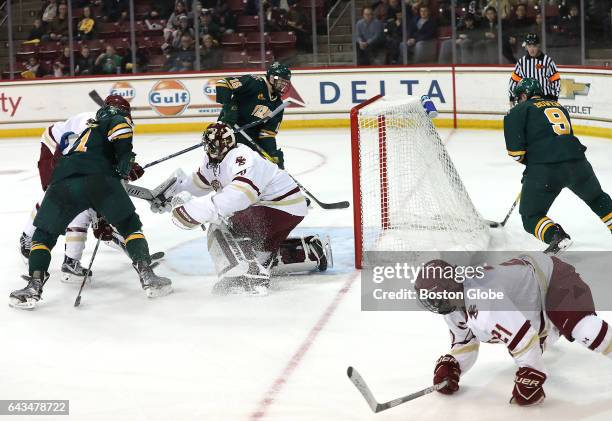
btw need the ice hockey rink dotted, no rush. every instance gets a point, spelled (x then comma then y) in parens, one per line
(196, 356)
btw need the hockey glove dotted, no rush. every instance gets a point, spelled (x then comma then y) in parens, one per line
(124, 166)
(103, 230)
(447, 368)
(528, 387)
(135, 172)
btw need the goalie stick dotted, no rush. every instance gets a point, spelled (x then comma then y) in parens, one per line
(245, 127)
(262, 152)
(365, 391)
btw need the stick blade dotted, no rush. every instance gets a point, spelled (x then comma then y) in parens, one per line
(77, 302)
(363, 388)
(338, 205)
(493, 224)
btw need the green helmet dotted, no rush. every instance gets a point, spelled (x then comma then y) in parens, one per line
(279, 77)
(106, 112)
(530, 87)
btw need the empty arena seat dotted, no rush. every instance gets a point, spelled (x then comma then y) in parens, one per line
(247, 23)
(234, 58)
(253, 39)
(233, 41)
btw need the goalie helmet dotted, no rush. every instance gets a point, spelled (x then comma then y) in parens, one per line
(437, 278)
(279, 77)
(528, 86)
(218, 140)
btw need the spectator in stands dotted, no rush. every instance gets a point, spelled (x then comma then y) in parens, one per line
(515, 30)
(108, 62)
(466, 37)
(570, 26)
(58, 28)
(300, 25)
(210, 54)
(33, 69)
(62, 62)
(86, 26)
(142, 59)
(486, 48)
(393, 39)
(161, 9)
(181, 59)
(387, 10)
(173, 20)
(225, 18)
(183, 29)
(275, 18)
(208, 26)
(370, 39)
(49, 13)
(505, 7)
(37, 31)
(85, 63)
(115, 10)
(421, 42)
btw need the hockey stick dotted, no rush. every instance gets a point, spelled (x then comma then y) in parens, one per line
(242, 128)
(361, 385)
(96, 98)
(77, 302)
(262, 152)
(501, 224)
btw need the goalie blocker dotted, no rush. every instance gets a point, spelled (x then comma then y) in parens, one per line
(252, 206)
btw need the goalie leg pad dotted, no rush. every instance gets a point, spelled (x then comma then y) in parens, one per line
(236, 263)
(267, 227)
(303, 254)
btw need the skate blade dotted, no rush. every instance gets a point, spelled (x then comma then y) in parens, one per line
(563, 245)
(158, 292)
(328, 252)
(29, 304)
(70, 278)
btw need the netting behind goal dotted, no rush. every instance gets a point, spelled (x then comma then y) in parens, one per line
(407, 192)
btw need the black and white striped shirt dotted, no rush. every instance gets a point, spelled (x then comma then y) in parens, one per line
(542, 68)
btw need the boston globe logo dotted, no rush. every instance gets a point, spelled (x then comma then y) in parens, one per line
(169, 97)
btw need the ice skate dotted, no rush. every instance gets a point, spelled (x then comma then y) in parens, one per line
(28, 297)
(559, 243)
(153, 285)
(73, 272)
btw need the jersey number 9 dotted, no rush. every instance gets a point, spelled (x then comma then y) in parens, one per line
(558, 120)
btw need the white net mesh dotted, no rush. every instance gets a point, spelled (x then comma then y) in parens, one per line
(411, 195)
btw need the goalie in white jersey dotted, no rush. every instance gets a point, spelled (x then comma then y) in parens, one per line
(251, 206)
(541, 298)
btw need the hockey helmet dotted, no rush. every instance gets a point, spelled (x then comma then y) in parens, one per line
(528, 86)
(120, 103)
(218, 139)
(433, 285)
(279, 77)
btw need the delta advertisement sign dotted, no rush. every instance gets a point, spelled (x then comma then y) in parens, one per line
(316, 94)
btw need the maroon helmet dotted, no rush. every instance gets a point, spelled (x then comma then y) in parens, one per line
(218, 139)
(120, 103)
(437, 277)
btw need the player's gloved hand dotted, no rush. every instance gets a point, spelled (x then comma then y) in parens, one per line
(447, 368)
(528, 387)
(103, 230)
(124, 166)
(135, 172)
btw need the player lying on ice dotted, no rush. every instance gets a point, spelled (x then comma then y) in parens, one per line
(89, 176)
(252, 206)
(544, 298)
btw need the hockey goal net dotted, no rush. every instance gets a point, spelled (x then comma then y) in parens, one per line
(407, 193)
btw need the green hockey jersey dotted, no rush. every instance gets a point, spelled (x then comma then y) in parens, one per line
(540, 131)
(105, 147)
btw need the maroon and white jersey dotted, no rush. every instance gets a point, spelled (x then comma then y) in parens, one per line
(241, 180)
(50, 142)
(518, 320)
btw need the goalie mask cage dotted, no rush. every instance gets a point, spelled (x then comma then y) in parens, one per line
(407, 194)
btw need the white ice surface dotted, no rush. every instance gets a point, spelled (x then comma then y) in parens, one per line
(195, 356)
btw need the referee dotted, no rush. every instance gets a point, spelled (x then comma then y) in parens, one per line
(536, 65)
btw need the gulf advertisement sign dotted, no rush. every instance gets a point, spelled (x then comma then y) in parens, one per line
(123, 89)
(169, 97)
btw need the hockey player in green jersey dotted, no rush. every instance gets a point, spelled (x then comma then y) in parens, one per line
(249, 98)
(539, 135)
(89, 176)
